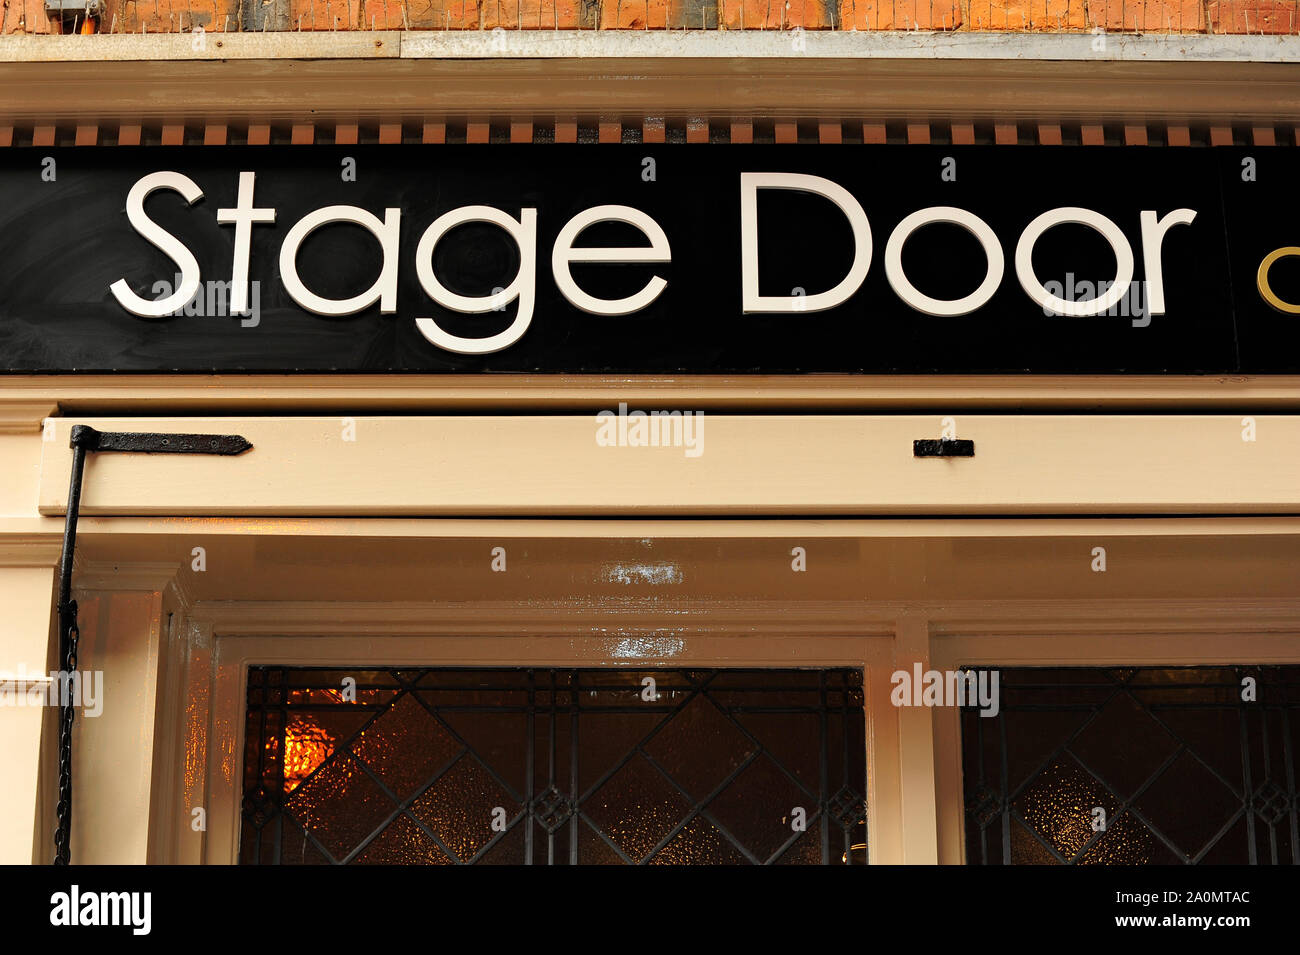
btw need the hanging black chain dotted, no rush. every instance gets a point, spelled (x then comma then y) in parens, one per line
(84, 439)
(68, 712)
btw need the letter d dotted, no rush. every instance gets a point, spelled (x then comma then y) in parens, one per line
(751, 301)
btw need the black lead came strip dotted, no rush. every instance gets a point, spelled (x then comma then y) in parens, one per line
(943, 448)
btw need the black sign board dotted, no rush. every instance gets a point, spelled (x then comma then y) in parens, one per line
(650, 259)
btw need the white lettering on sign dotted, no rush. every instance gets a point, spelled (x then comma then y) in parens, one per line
(384, 291)
(243, 217)
(524, 231)
(565, 254)
(171, 246)
(908, 292)
(751, 300)
(522, 289)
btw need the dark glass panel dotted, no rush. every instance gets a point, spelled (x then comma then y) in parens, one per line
(405, 746)
(636, 808)
(699, 747)
(1190, 764)
(428, 776)
(698, 843)
(461, 807)
(759, 809)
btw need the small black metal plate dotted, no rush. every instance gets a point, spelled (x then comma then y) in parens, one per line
(943, 448)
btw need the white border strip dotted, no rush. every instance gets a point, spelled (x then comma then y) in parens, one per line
(849, 45)
(655, 44)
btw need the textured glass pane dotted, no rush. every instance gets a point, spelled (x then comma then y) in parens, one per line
(406, 746)
(1124, 744)
(637, 808)
(1164, 804)
(1061, 804)
(699, 747)
(1134, 766)
(509, 847)
(594, 849)
(462, 807)
(403, 843)
(759, 808)
(607, 738)
(1126, 841)
(312, 736)
(787, 737)
(698, 843)
(340, 805)
(500, 740)
(553, 767)
(806, 850)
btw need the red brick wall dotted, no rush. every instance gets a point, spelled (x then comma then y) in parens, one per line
(1147, 16)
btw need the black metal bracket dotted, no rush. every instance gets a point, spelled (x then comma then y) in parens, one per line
(943, 448)
(85, 439)
(148, 442)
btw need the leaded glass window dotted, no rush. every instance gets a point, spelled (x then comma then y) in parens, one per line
(572, 766)
(1138, 766)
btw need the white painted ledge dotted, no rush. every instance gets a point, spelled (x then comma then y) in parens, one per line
(655, 44)
(174, 47)
(851, 44)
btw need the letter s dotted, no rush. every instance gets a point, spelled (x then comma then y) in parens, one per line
(163, 240)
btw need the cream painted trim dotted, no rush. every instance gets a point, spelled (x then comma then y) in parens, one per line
(30, 549)
(1265, 634)
(985, 619)
(109, 575)
(544, 618)
(24, 416)
(834, 465)
(47, 530)
(947, 621)
(92, 395)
